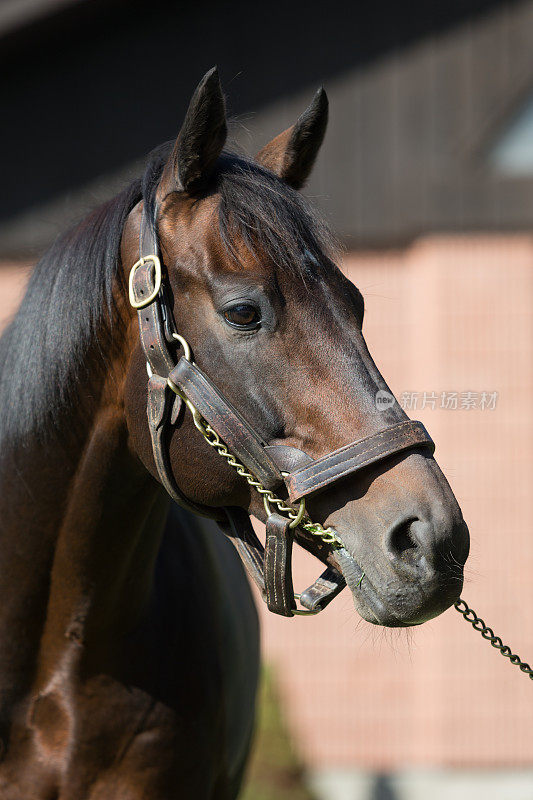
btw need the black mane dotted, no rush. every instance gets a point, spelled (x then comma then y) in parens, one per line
(68, 301)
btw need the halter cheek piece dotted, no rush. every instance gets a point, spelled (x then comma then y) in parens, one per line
(266, 468)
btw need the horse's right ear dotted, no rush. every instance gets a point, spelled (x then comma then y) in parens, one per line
(200, 140)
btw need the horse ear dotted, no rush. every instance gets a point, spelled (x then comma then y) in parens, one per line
(200, 140)
(291, 155)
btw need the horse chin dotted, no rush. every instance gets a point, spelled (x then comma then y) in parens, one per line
(399, 608)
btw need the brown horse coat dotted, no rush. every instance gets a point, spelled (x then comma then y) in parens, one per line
(128, 637)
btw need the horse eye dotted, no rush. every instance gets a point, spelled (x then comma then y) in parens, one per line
(243, 315)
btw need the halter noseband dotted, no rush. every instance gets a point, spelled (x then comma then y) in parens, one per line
(266, 468)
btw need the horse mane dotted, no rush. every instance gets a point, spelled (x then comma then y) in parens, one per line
(272, 219)
(68, 304)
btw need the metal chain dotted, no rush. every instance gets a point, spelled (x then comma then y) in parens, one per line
(479, 625)
(299, 517)
(327, 535)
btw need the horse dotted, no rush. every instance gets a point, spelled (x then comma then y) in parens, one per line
(129, 637)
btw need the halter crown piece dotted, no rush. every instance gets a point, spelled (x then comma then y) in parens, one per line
(268, 469)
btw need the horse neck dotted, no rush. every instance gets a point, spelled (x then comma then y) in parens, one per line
(75, 555)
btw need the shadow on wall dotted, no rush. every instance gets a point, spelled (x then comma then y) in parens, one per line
(82, 85)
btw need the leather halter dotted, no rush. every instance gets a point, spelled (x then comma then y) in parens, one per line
(274, 467)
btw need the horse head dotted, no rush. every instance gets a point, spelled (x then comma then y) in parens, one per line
(252, 285)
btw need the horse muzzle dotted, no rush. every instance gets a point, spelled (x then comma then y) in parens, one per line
(404, 553)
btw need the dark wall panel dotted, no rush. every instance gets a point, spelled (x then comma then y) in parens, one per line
(91, 89)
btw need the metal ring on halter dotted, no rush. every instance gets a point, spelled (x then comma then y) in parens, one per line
(187, 355)
(298, 518)
(196, 416)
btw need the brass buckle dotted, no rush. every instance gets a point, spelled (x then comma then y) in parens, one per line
(157, 283)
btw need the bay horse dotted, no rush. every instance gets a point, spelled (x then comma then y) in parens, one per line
(128, 633)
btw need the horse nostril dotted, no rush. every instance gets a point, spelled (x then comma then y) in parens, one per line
(400, 539)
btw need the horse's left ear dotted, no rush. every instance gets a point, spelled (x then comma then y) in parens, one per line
(291, 155)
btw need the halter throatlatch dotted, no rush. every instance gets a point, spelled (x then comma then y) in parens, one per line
(270, 470)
